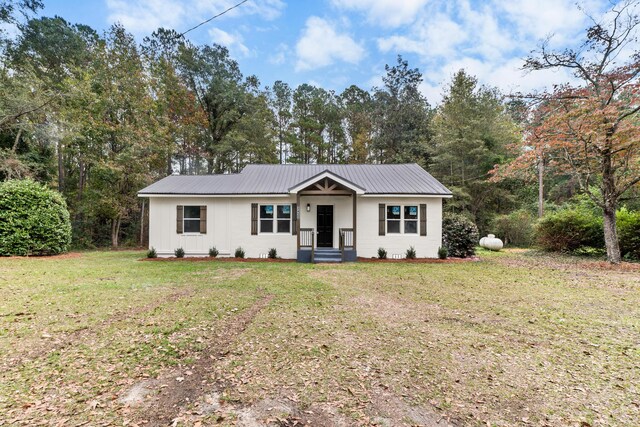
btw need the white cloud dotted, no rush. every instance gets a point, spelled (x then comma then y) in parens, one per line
(437, 37)
(388, 13)
(321, 45)
(233, 42)
(281, 54)
(145, 16)
(267, 9)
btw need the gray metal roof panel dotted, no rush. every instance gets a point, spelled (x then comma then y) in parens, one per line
(278, 179)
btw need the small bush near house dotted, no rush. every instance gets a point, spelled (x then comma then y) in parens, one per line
(213, 252)
(570, 230)
(459, 235)
(34, 219)
(273, 253)
(382, 253)
(442, 252)
(151, 253)
(179, 253)
(628, 223)
(515, 229)
(411, 253)
(239, 252)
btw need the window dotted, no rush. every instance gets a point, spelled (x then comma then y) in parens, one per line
(402, 219)
(281, 217)
(393, 219)
(266, 219)
(411, 220)
(284, 218)
(191, 219)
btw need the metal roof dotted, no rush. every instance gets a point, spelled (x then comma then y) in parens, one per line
(278, 179)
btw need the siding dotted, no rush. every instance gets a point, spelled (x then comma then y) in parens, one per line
(229, 226)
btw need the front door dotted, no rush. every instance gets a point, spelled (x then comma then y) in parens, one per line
(325, 226)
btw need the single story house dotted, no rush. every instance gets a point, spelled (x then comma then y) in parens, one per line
(312, 213)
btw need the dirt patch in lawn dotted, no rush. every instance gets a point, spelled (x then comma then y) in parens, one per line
(178, 388)
(50, 343)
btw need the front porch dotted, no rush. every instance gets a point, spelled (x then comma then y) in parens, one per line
(326, 219)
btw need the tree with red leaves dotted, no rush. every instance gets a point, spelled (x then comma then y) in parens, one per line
(591, 130)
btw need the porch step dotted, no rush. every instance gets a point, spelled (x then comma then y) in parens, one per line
(327, 255)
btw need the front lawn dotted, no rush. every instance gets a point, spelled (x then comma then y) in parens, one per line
(517, 338)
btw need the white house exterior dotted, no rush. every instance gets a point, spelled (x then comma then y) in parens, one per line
(307, 212)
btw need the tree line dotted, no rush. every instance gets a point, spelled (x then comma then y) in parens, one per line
(99, 116)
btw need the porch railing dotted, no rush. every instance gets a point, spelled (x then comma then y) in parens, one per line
(307, 240)
(346, 239)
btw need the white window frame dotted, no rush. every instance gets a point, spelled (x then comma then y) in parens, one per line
(185, 219)
(275, 218)
(401, 220)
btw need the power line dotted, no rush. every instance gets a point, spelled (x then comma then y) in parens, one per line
(213, 17)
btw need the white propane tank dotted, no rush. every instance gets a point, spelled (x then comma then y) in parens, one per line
(491, 242)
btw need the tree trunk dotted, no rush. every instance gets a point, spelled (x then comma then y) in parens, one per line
(611, 235)
(540, 187)
(115, 231)
(609, 207)
(60, 168)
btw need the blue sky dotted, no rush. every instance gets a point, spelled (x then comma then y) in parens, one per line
(335, 43)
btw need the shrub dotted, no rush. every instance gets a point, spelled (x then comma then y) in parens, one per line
(273, 253)
(34, 219)
(411, 253)
(516, 228)
(459, 235)
(629, 233)
(239, 252)
(569, 230)
(179, 253)
(151, 253)
(382, 253)
(442, 252)
(213, 252)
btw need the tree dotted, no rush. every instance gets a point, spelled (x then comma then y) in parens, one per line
(590, 131)
(402, 117)
(470, 131)
(358, 107)
(280, 103)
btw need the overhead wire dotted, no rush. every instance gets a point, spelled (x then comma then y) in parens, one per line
(212, 18)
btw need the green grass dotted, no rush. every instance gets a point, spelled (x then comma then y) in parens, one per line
(517, 338)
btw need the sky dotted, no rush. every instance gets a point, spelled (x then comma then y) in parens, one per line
(336, 43)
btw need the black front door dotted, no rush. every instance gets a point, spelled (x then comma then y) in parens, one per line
(325, 226)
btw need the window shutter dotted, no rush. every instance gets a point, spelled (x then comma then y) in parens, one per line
(179, 216)
(254, 219)
(294, 219)
(203, 219)
(423, 220)
(381, 218)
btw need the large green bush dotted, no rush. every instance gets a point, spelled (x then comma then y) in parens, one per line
(34, 220)
(459, 235)
(569, 230)
(516, 228)
(628, 223)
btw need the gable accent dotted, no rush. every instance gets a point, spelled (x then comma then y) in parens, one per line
(326, 174)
